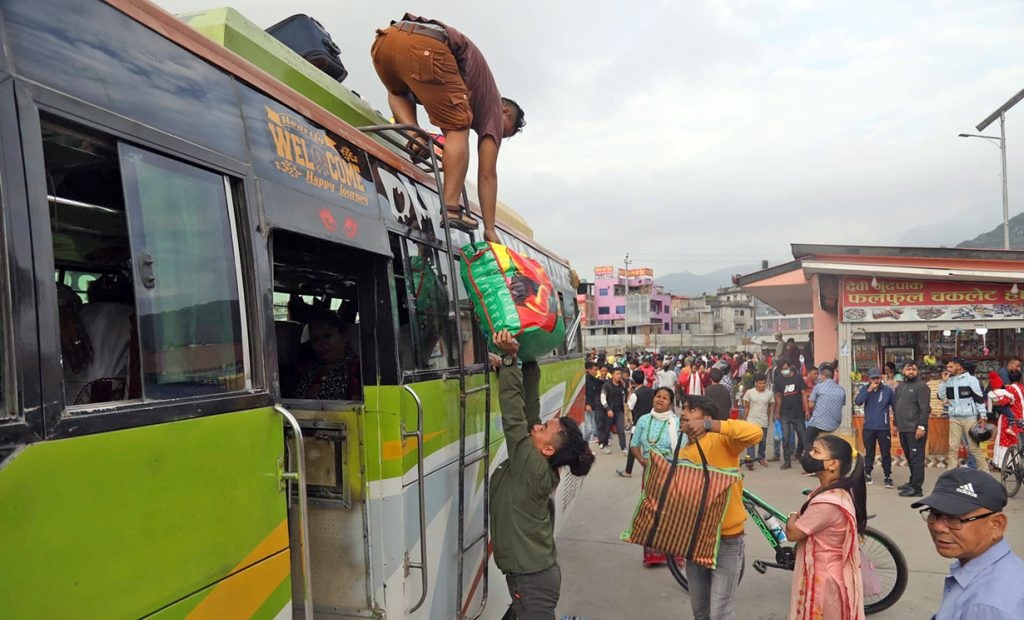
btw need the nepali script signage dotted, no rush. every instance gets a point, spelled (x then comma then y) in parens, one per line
(637, 273)
(926, 300)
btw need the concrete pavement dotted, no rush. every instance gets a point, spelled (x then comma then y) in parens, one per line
(603, 578)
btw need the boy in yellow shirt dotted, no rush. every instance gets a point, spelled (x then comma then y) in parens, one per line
(723, 441)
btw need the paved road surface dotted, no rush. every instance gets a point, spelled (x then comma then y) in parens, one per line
(603, 578)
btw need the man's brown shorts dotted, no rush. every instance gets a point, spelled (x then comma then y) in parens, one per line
(408, 62)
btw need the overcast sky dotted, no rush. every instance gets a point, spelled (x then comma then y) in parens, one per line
(697, 135)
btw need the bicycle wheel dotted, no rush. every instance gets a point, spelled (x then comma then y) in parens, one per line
(1010, 471)
(886, 562)
(677, 566)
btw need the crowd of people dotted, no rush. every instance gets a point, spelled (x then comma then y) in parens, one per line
(745, 401)
(720, 410)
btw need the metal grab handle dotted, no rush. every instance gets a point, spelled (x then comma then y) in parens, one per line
(419, 435)
(299, 476)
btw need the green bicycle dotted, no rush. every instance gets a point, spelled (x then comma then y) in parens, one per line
(883, 559)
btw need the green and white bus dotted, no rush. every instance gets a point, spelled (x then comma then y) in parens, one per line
(172, 214)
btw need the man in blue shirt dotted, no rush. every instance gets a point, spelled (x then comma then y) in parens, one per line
(966, 521)
(878, 400)
(826, 402)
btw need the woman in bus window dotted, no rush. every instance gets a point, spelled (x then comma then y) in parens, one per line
(333, 374)
(827, 572)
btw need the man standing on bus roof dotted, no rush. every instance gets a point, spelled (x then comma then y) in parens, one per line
(423, 60)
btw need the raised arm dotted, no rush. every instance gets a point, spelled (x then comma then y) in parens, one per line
(513, 398)
(531, 397)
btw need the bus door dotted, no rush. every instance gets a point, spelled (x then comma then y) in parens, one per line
(324, 301)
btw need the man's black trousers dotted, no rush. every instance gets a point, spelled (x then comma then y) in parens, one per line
(882, 437)
(914, 451)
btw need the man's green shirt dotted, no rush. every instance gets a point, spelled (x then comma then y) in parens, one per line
(521, 521)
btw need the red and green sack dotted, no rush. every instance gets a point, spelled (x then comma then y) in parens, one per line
(511, 291)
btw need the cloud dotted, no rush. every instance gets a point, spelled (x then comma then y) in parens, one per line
(703, 134)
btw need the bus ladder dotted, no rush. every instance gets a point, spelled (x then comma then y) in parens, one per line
(398, 137)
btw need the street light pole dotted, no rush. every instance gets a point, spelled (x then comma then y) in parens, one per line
(1003, 164)
(1000, 143)
(1002, 140)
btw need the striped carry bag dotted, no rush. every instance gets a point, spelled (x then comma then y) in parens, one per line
(682, 506)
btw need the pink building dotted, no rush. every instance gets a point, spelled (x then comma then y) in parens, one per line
(629, 302)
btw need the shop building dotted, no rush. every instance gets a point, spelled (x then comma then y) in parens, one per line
(874, 304)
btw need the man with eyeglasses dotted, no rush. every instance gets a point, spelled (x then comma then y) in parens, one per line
(966, 521)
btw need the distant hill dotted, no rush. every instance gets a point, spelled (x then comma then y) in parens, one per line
(995, 238)
(689, 284)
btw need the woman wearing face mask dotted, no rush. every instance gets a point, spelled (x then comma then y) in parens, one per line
(657, 431)
(827, 571)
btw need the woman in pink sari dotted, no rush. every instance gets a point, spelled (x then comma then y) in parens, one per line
(827, 571)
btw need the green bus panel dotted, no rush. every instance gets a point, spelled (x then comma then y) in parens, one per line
(117, 525)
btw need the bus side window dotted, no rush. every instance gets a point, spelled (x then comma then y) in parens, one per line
(6, 346)
(317, 318)
(471, 333)
(90, 242)
(567, 319)
(425, 331)
(147, 268)
(188, 293)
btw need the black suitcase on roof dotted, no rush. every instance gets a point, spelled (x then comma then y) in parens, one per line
(308, 38)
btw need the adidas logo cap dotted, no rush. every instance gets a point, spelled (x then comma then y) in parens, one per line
(964, 490)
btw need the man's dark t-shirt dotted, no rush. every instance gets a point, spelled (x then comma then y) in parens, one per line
(615, 396)
(645, 399)
(790, 388)
(593, 395)
(720, 396)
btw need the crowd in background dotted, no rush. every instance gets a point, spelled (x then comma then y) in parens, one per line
(727, 396)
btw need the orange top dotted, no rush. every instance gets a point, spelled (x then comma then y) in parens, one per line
(723, 450)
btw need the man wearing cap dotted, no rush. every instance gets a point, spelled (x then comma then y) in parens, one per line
(877, 399)
(967, 405)
(911, 415)
(424, 61)
(965, 517)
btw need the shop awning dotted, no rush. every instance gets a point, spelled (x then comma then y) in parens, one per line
(918, 273)
(782, 287)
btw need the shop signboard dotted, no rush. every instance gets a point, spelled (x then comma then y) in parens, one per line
(637, 273)
(604, 271)
(926, 300)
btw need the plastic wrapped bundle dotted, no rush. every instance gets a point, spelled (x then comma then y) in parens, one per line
(511, 291)
(431, 305)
